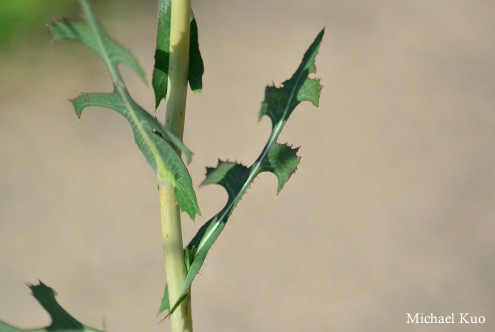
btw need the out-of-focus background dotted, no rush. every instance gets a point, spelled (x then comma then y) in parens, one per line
(390, 212)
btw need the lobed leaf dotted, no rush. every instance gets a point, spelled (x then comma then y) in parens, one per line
(280, 159)
(160, 70)
(93, 36)
(61, 319)
(231, 176)
(151, 137)
(279, 102)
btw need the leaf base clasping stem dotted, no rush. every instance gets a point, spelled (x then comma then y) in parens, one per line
(173, 251)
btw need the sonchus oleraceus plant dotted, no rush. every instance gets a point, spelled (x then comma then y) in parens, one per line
(178, 63)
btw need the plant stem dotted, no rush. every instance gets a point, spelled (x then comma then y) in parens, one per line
(178, 66)
(173, 251)
(173, 247)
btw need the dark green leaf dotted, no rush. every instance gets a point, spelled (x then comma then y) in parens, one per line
(231, 176)
(281, 101)
(196, 66)
(61, 320)
(160, 71)
(279, 159)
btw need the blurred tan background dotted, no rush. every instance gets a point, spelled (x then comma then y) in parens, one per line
(391, 211)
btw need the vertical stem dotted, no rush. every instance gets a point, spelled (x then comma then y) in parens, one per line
(173, 246)
(173, 251)
(178, 66)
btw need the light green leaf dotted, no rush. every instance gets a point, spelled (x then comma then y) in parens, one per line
(160, 71)
(93, 36)
(279, 159)
(61, 320)
(165, 301)
(151, 137)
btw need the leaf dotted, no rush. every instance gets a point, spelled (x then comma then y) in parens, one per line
(231, 176)
(151, 137)
(196, 66)
(61, 319)
(281, 101)
(93, 36)
(160, 71)
(188, 258)
(165, 301)
(280, 159)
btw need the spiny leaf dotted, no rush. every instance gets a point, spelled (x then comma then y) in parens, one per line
(151, 137)
(61, 319)
(280, 159)
(231, 176)
(281, 101)
(160, 71)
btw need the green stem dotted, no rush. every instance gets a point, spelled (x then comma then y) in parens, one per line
(178, 66)
(173, 247)
(173, 251)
